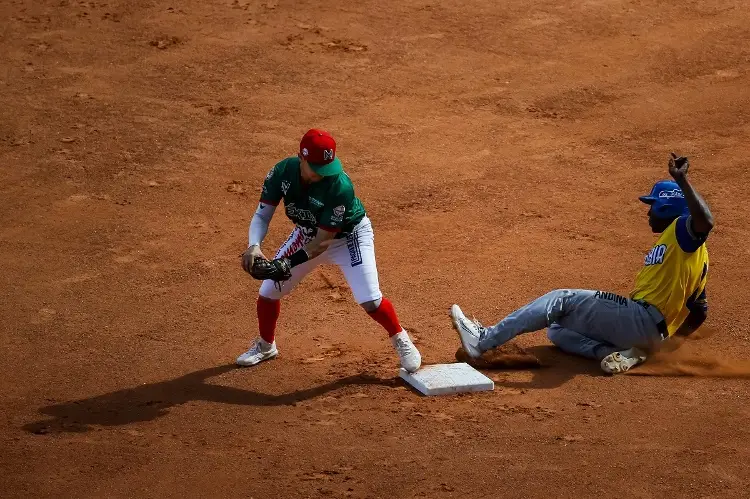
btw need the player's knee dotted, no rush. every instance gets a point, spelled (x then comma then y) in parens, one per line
(372, 305)
(554, 334)
(271, 292)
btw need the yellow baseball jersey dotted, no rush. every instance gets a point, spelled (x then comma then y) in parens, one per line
(674, 275)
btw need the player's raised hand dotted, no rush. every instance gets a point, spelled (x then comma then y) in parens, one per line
(678, 166)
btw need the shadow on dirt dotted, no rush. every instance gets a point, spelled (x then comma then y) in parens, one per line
(556, 368)
(150, 401)
(549, 366)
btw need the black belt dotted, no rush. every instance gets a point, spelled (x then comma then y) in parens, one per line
(661, 324)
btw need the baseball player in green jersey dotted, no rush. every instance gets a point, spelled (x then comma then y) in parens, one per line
(331, 227)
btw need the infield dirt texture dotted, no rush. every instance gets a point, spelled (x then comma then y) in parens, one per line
(499, 148)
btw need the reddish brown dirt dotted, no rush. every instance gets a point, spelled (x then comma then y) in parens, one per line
(499, 148)
(691, 359)
(508, 356)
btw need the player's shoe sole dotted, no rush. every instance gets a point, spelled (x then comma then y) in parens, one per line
(469, 332)
(623, 361)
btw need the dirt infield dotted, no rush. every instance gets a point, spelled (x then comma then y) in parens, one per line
(499, 148)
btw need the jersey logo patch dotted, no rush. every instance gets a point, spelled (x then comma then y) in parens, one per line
(299, 215)
(338, 213)
(656, 255)
(285, 185)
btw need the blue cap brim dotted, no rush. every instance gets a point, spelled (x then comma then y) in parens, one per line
(333, 168)
(648, 199)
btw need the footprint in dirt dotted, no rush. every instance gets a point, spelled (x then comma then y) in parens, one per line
(164, 42)
(126, 255)
(236, 187)
(44, 314)
(114, 17)
(329, 351)
(223, 110)
(344, 46)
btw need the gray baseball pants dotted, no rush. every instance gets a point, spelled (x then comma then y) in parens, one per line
(588, 323)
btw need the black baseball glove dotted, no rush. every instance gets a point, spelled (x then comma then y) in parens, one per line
(276, 270)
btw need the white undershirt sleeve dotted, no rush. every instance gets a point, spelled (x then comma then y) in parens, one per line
(259, 223)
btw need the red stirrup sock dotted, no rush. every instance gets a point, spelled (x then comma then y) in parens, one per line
(268, 314)
(386, 317)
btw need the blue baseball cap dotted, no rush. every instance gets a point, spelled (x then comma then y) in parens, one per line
(666, 199)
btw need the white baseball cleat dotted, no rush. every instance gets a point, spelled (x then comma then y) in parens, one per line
(407, 352)
(259, 351)
(470, 332)
(619, 362)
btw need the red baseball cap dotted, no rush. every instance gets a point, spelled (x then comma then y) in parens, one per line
(319, 149)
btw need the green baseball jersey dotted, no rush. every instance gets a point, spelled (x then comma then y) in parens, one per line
(329, 204)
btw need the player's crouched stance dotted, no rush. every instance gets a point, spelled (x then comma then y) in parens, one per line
(669, 298)
(331, 226)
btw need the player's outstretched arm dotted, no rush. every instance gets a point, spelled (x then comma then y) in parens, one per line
(702, 219)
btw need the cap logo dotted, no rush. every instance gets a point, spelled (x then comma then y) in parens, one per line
(675, 193)
(327, 154)
(304, 151)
